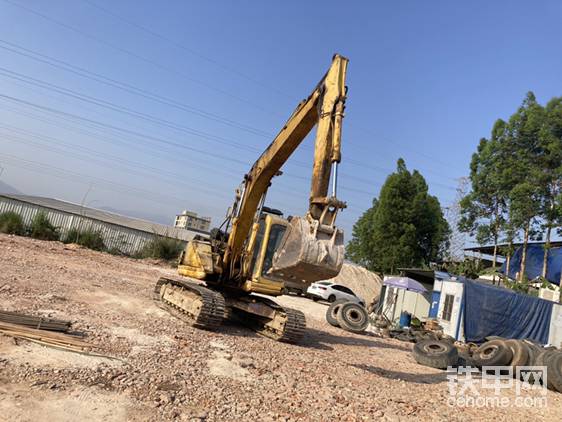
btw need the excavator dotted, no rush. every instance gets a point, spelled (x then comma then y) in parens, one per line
(257, 251)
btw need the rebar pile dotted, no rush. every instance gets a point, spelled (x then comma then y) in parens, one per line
(47, 338)
(30, 321)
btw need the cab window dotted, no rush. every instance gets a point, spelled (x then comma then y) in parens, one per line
(275, 235)
(257, 246)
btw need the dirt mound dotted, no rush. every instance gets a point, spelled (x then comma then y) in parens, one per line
(362, 281)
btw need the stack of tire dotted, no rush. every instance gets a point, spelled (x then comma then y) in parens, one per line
(438, 354)
(514, 353)
(347, 315)
(495, 352)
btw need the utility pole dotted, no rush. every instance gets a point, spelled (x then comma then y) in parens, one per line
(453, 216)
(82, 211)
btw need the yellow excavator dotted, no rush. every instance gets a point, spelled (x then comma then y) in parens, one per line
(256, 250)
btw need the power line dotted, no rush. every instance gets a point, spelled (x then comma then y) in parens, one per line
(213, 61)
(143, 116)
(154, 151)
(78, 177)
(139, 91)
(184, 48)
(137, 56)
(176, 178)
(431, 157)
(120, 109)
(87, 74)
(169, 69)
(118, 129)
(74, 116)
(88, 158)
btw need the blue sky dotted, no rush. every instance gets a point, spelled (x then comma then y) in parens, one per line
(208, 84)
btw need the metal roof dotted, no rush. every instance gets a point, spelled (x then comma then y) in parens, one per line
(489, 249)
(107, 217)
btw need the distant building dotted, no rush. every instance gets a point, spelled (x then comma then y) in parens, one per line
(119, 232)
(190, 220)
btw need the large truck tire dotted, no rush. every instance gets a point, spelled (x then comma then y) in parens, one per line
(436, 354)
(353, 317)
(533, 350)
(543, 356)
(332, 312)
(520, 353)
(493, 353)
(554, 371)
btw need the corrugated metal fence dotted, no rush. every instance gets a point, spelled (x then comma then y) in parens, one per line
(124, 239)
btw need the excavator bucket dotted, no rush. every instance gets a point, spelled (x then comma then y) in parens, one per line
(308, 252)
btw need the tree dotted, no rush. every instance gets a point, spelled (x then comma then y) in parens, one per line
(483, 209)
(359, 248)
(550, 138)
(516, 179)
(523, 155)
(405, 226)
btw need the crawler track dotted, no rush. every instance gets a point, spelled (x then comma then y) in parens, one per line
(295, 325)
(287, 325)
(192, 303)
(205, 308)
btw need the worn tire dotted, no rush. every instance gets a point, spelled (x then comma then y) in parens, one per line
(491, 338)
(406, 337)
(543, 356)
(554, 371)
(332, 312)
(533, 348)
(533, 353)
(425, 335)
(520, 353)
(436, 354)
(493, 353)
(353, 317)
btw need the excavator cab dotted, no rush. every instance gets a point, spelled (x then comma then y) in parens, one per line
(289, 251)
(265, 239)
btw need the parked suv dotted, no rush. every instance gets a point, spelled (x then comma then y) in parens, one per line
(325, 290)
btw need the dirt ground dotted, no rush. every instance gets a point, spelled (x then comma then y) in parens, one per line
(161, 369)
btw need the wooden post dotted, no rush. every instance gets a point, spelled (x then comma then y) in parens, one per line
(546, 250)
(523, 267)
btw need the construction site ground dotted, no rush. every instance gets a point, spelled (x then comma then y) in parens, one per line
(162, 369)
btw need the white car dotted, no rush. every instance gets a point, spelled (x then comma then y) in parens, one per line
(326, 290)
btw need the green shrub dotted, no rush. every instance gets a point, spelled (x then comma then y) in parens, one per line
(11, 223)
(89, 238)
(41, 228)
(162, 248)
(116, 251)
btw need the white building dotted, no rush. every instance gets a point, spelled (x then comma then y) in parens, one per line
(190, 220)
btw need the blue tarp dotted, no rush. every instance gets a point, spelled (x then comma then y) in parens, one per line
(494, 311)
(535, 254)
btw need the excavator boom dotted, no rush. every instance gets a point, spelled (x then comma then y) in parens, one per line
(324, 107)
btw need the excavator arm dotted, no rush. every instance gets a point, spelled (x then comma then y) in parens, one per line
(324, 107)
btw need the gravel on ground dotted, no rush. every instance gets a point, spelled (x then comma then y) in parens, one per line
(162, 369)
